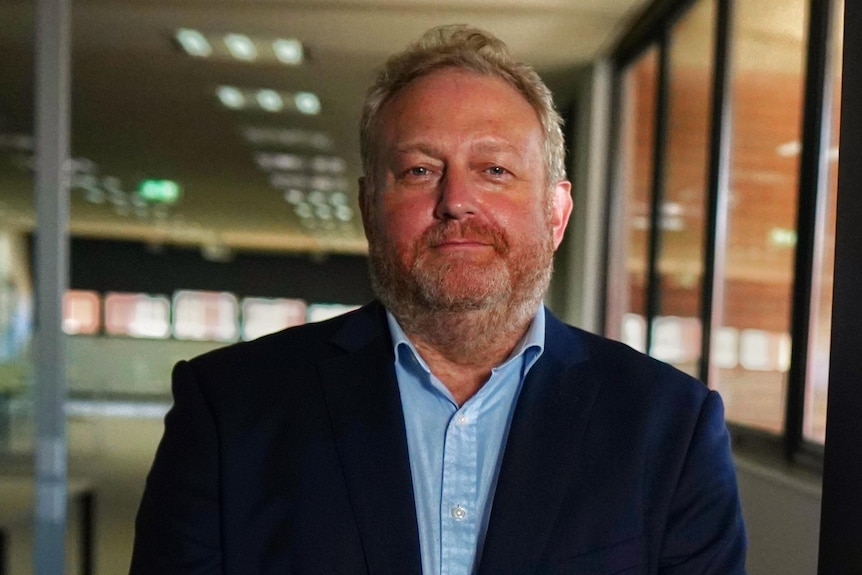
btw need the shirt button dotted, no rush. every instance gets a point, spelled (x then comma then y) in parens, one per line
(461, 419)
(458, 513)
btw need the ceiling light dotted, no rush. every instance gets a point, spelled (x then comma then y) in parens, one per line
(286, 162)
(338, 199)
(323, 212)
(270, 100)
(307, 103)
(193, 42)
(259, 135)
(294, 196)
(240, 47)
(288, 51)
(231, 97)
(287, 181)
(343, 213)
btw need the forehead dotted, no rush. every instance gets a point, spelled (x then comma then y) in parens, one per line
(459, 101)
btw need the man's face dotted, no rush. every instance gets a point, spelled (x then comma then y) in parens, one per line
(461, 216)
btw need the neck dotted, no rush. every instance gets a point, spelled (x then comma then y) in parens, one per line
(462, 347)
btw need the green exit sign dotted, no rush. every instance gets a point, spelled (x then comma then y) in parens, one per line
(159, 191)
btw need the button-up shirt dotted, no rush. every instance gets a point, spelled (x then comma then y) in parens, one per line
(455, 452)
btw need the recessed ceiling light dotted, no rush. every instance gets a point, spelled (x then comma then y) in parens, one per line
(270, 100)
(290, 137)
(288, 51)
(286, 162)
(240, 47)
(343, 213)
(231, 97)
(307, 103)
(294, 196)
(193, 42)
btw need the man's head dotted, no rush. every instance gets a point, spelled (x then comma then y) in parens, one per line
(470, 49)
(463, 198)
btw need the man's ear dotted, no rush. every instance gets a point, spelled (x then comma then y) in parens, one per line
(562, 210)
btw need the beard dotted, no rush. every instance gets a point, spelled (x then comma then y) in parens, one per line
(452, 297)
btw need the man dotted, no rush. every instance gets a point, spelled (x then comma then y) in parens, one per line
(458, 427)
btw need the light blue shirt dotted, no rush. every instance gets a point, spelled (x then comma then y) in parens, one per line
(455, 453)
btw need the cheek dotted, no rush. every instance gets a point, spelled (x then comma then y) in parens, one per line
(521, 218)
(403, 221)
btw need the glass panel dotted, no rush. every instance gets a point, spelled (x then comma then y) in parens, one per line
(81, 312)
(202, 315)
(814, 426)
(687, 168)
(768, 58)
(629, 254)
(137, 315)
(262, 316)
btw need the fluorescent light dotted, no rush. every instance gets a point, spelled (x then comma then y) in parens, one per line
(294, 196)
(288, 51)
(307, 103)
(231, 97)
(240, 46)
(284, 162)
(270, 100)
(343, 213)
(193, 42)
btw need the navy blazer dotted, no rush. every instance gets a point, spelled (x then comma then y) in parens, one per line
(289, 455)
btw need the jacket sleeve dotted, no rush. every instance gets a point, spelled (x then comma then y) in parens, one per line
(177, 528)
(705, 533)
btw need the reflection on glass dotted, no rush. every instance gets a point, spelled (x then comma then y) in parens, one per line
(814, 425)
(627, 287)
(768, 52)
(685, 180)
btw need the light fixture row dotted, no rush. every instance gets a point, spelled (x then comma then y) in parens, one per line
(268, 100)
(279, 161)
(241, 47)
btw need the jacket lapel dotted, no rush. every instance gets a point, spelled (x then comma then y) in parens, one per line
(541, 453)
(361, 393)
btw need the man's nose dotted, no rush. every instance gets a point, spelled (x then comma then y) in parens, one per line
(457, 197)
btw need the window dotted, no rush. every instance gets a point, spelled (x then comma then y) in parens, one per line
(712, 99)
(766, 91)
(637, 142)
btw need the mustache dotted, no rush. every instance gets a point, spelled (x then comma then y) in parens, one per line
(471, 230)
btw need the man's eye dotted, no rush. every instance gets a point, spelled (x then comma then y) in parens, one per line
(419, 171)
(497, 171)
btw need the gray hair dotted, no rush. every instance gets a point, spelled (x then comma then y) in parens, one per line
(466, 48)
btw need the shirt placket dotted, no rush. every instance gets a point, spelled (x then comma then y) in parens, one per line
(459, 515)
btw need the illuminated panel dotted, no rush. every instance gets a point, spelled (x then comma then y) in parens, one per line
(262, 316)
(324, 311)
(137, 315)
(676, 340)
(81, 311)
(201, 315)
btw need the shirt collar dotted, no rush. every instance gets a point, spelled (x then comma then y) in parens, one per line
(531, 345)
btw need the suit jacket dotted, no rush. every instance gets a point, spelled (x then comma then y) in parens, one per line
(289, 455)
